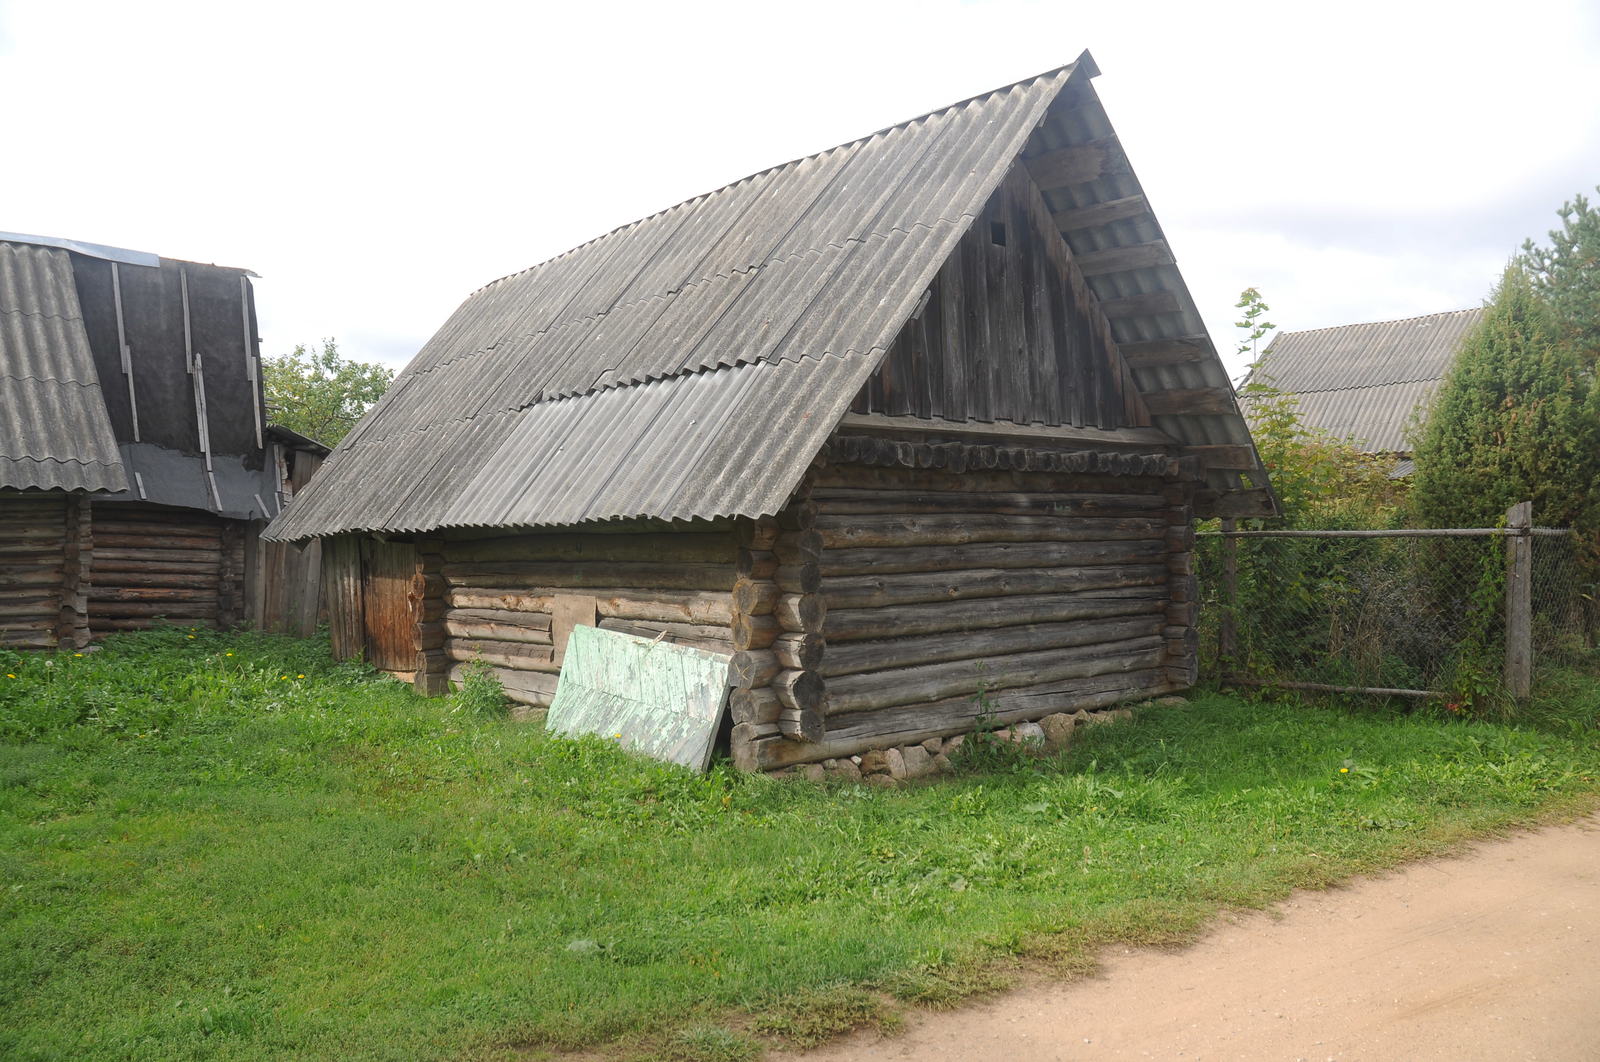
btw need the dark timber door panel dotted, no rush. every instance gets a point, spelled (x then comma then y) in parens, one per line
(387, 571)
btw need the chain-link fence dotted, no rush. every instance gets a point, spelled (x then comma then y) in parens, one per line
(1419, 613)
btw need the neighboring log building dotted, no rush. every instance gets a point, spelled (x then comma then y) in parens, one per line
(134, 464)
(928, 414)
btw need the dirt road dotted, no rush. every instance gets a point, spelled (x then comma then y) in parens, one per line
(1491, 955)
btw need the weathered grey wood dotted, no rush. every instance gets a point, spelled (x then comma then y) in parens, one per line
(802, 612)
(1246, 503)
(680, 547)
(798, 547)
(1149, 304)
(459, 627)
(1077, 164)
(852, 658)
(1179, 402)
(802, 724)
(799, 651)
(838, 503)
(1122, 259)
(717, 639)
(755, 564)
(799, 578)
(518, 655)
(1014, 481)
(873, 591)
(668, 576)
(759, 533)
(935, 558)
(1519, 601)
(755, 597)
(849, 625)
(538, 621)
(1240, 458)
(672, 606)
(754, 705)
(931, 682)
(754, 668)
(800, 690)
(955, 529)
(1089, 217)
(858, 732)
(754, 632)
(1156, 353)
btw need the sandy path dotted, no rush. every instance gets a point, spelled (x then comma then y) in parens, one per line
(1491, 955)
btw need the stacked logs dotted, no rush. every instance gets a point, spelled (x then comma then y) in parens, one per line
(1182, 638)
(152, 563)
(427, 602)
(499, 595)
(34, 531)
(948, 596)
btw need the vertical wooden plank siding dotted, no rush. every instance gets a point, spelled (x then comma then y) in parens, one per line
(388, 621)
(341, 589)
(1011, 331)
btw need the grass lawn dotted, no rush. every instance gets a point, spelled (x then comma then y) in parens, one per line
(230, 847)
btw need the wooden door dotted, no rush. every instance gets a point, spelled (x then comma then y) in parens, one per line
(387, 606)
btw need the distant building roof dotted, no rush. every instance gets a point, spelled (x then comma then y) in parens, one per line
(691, 364)
(1364, 382)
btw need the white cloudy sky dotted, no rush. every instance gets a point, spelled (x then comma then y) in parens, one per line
(375, 162)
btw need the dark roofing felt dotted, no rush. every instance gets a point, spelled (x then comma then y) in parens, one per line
(1366, 382)
(692, 364)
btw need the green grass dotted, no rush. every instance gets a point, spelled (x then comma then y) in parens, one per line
(208, 856)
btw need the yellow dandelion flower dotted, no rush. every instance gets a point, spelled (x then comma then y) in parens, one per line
(1344, 770)
(77, 654)
(10, 675)
(299, 676)
(190, 637)
(228, 654)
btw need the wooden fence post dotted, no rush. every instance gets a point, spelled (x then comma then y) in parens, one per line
(1228, 630)
(1519, 600)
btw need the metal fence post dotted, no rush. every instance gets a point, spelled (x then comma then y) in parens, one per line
(1228, 630)
(1519, 600)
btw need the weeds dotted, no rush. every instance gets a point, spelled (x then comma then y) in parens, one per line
(269, 854)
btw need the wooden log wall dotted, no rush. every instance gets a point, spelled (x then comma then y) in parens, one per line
(498, 595)
(152, 563)
(35, 532)
(942, 596)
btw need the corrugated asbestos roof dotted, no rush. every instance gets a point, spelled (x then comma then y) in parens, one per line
(1366, 382)
(54, 434)
(691, 365)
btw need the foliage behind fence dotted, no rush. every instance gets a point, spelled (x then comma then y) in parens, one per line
(1390, 613)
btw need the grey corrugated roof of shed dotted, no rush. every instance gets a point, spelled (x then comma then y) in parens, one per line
(54, 430)
(571, 391)
(1366, 382)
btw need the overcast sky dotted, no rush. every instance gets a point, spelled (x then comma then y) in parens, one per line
(377, 162)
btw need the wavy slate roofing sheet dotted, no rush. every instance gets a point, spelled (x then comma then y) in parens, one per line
(691, 364)
(1367, 382)
(54, 431)
(688, 365)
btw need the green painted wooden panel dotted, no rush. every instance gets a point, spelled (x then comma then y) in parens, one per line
(656, 698)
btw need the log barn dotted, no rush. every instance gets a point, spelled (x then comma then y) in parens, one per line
(914, 429)
(135, 466)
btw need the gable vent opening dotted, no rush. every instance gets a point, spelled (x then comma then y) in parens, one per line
(997, 233)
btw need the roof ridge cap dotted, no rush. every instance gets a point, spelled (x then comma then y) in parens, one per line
(1364, 324)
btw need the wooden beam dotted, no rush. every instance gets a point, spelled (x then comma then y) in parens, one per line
(1189, 401)
(1238, 503)
(1077, 164)
(1101, 213)
(1122, 259)
(1151, 353)
(1228, 456)
(1119, 437)
(1141, 305)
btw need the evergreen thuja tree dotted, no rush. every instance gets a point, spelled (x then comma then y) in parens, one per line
(1517, 417)
(1567, 275)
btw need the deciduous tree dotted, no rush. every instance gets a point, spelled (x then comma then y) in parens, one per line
(319, 393)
